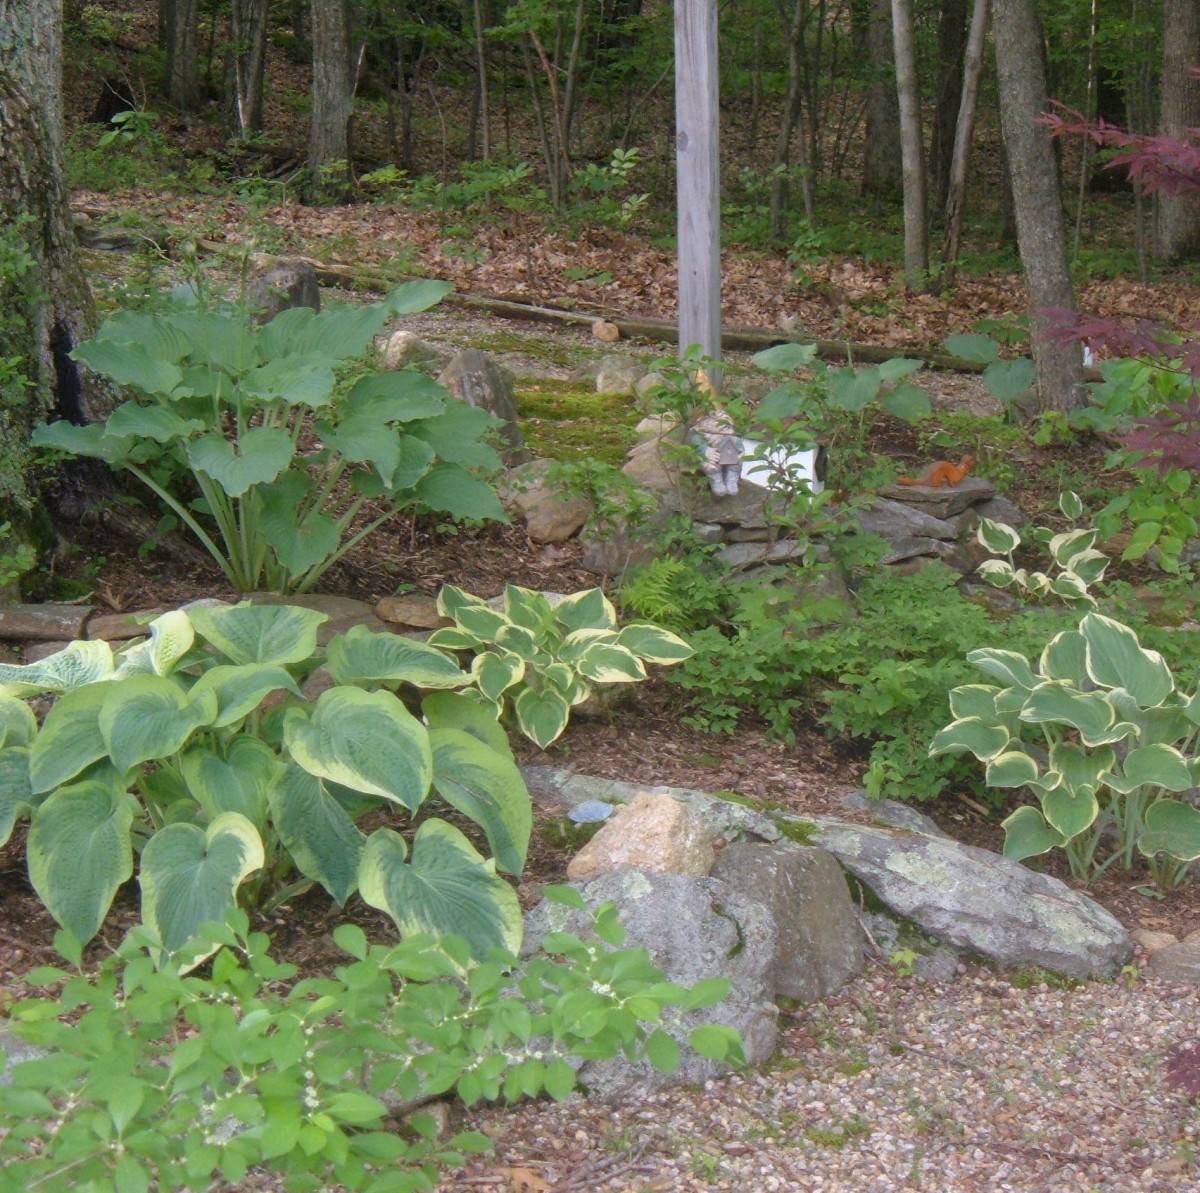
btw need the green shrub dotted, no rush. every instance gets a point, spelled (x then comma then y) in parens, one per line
(221, 428)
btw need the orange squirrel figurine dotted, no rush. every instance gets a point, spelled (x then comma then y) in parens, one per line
(942, 473)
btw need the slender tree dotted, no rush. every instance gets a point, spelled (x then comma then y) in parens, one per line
(332, 100)
(1179, 214)
(1041, 236)
(952, 44)
(793, 114)
(245, 66)
(882, 171)
(183, 70)
(916, 229)
(963, 137)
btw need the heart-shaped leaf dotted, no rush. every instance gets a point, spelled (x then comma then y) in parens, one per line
(463, 710)
(410, 298)
(541, 716)
(496, 671)
(1116, 659)
(70, 739)
(1173, 828)
(18, 725)
(261, 455)
(654, 644)
(16, 795)
(241, 689)
(1069, 812)
(605, 662)
(236, 783)
(278, 634)
(449, 489)
(970, 735)
(160, 423)
(147, 716)
(362, 657)
(75, 666)
(1027, 834)
(586, 610)
(171, 637)
(129, 364)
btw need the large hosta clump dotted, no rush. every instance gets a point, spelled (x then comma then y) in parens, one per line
(1103, 737)
(171, 751)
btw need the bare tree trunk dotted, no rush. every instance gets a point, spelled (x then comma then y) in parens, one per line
(45, 306)
(481, 68)
(1040, 232)
(183, 72)
(1179, 215)
(245, 66)
(792, 114)
(952, 40)
(332, 101)
(964, 135)
(882, 170)
(916, 230)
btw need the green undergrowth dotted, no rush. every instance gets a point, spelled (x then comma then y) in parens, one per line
(568, 420)
(542, 348)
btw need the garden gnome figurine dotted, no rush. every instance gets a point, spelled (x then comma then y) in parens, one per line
(720, 448)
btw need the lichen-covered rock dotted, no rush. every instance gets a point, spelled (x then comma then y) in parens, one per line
(551, 515)
(476, 379)
(414, 609)
(943, 501)
(282, 286)
(1178, 962)
(693, 928)
(654, 833)
(981, 901)
(406, 350)
(618, 375)
(820, 944)
(893, 520)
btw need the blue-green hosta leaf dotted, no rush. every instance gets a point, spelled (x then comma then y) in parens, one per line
(1168, 723)
(156, 335)
(1007, 380)
(75, 666)
(130, 364)
(1013, 768)
(528, 608)
(1010, 668)
(516, 639)
(70, 739)
(1116, 659)
(973, 346)
(1065, 657)
(288, 334)
(974, 700)
(1171, 827)
(997, 537)
(301, 379)
(79, 853)
(279, 634)
(789, 400)
(236, 783)
(907, 402)
(485, 785)
(367, 741)
(410, 298)
(241, 688)
(970, 735)
(481, 621)
(189, 876)
(785, 358)
(495, 672)
(654, 644)
(400, 460)
(586, 610)
(1069, 812)
(171, 637)
(16, 795)
(541, 716)
(457, 435)
(447, 888)
(317, 832)
(605, 662)
(460, 710)
(148, 716)
(133, 420)
(18, 725)
(1058, 703)
(402, 396)
(1158, 765)
(362, 658)
(1081, 769)
(452, 599)
(853, 389)
(261, 455)
(1027, 834)
(89, 440)
(300, 547)
(449, 489)
(345, 331)
(452, 638)
(223, 339)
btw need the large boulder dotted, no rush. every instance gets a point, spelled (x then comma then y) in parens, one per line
(280, 287)
(474, 378)
(820, 944)
(693, 928)
(551, 515)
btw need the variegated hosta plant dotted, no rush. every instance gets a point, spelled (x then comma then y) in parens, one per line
(1100, 733)
(1076, 563)
(539, 661)
(166, 751)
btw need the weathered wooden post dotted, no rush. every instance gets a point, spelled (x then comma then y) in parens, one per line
(698, 181)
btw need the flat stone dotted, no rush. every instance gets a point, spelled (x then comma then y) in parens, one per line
(693, 928)
(1153, 942)
(819, 945)
(647, 384)
(651, 467)
(998, 600)
(654, 426)
(708, 532)
(1178, 963)
(319, 681)
(119, 627)
(551, 515)
(894, 520)
(35, 652)
(655, 834)
(912, 546)
(891, 812)
(414, 609)
(1000, 509)
(282, 286)
(965, 556)
(747, 507)
(43, 622)
(945, 500)
(738, 555)
(746, 534)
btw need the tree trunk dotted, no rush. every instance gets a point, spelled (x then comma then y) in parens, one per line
(183, 73)
(1038, 204)
(1179, 215)
(244, 67)
(916, 230)
(952, 41)
(792, 115)
(332, 101)
(882, 169)
(45, 305)
(964, 135)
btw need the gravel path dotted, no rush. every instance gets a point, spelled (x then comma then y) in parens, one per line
(897, 1085)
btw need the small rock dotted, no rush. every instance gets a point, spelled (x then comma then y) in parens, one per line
(1000, 509)
(649, 464)
(943, 501)
(591, 811)
(966, 556)
(747, 534)
(617, 375)
(35, 652)
(892, 813)
(654, 426)
(119, 627)
(476, 379)
(914, 546)
(282, 286)
(708, 532)
(998, 600)
(406, 350)
(941, 965)
(647, 384)
(1178, 962)
(738, 555)
(1153, 942)
(654, 833)
(605, 332)
(414, 609)
(551, 515)
(319, 681)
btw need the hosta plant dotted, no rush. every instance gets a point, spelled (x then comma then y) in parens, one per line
(1101, 735)
(164, 752)
(537, 661)
(253, 440)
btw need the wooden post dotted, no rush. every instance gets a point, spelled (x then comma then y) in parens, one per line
(698, 182)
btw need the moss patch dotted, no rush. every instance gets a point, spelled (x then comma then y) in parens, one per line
(567, 420)
(534, 347)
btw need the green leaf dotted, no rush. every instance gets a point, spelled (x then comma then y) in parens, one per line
(997, 537)
(79, 853)
(1070, 504)
(70, 740)
(278, 634)
(852, 389)
(1173, 828)
(458, 710)
(485, 785)
(785, 401)
(410, 298)
(75, 666)
(18, 725)
(316, 831)
(1010, 668)
(1158, 765)
(495, 672)
(354, 1106)
(1069, 812)
(344, 331)
(89, 440)
(1080, 769)
(16, 796)
(970, 735)
(171, 636)
(654, 644)
(899, 366)
(1065, 657)
(452, 600)
(785, 358)
(262, 453)
(1027, 834)
(300, 379)
(402, 396)
(1007, 380)
(541, 716)
(716, 1042)
(241, 688)
(446, 888)
(301, 546)
(662, 1051)
(586, 610)
(973, 346)
(1013, 768)
(236, 783)
(159, 423)
(363, 657)
(1143, 538)
(147, 716)
(449, 489)
(129, 364)
(367, 741)
(457, 435)
(1057, 703)
(907, 402)
(605, 662)
(1115, 659)
(974, 700)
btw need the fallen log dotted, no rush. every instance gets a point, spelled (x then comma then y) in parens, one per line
(37, 623)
